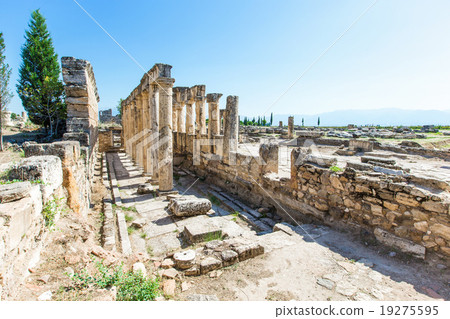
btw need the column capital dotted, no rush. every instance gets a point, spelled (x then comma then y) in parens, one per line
(213, 97)
(165, 82)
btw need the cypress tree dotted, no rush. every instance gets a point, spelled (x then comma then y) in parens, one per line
(5, 93)
(39, 87)
(271, 119)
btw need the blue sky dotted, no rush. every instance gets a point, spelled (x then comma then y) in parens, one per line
(397, 55)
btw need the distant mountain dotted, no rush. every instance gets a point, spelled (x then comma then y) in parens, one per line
(383, 117)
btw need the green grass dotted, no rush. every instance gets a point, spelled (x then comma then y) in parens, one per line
(130, 286)
(131, 230)
(124, 208)
(212, 236)
(128, 218)
(235, 215)
(214, 200)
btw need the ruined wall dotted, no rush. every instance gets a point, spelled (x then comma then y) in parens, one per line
(396, 210)
(76, 171)
(82, 101)
(22, 226)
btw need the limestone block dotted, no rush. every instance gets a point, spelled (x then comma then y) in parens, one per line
(229, 257)
(20, 215)
(406, 199)
(190, 207)
(361, 145)
(14, 191)
(366, 159)
(321, 160)
(46, 169)
(67, 151)
(247, 251)
(434, 206)
(404, 245)
(208, 264)
(441, 230)
(269, 155)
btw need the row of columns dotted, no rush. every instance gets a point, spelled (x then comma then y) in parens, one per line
(156, 109)
(147, 125)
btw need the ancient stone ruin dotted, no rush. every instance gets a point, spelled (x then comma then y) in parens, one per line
(188, 193)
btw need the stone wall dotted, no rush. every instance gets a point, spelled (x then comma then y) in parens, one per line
(398, 211)
(82, 102)
(22, 226)
(110, 140)
(76, 170)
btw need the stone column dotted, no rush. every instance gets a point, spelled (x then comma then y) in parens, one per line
(223, 120)
(291, 127)
(154, 125)
(165, 149)
(230, 138)
(146, 127)
(135, 129)
(280, 124)
(140, 124)
(190, 117)
(181, 118)
(174, 114)
(214, 114)
(200, 110)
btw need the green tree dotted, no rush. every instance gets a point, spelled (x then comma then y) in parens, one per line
(303, 121)
(318, 121)
(40, 87)
(119, 107)
(5, 93)
(271, 119)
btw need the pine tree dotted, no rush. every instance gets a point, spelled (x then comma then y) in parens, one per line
(39, 87)
(271, 119)
(5, 93)
(303, 121)
(318, 121)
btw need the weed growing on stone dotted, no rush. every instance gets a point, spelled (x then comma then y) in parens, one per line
(130, 230)
(50, 210)
(214, 200)
(235, 216)
(128, 209)
(212, 236)
(144, 235)
(335, 169)
(128, 218)
(130, 286)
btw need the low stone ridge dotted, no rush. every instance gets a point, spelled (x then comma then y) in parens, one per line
(214, 255)
(367, 159)
(189, 207)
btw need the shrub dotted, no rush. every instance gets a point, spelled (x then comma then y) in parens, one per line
(50, 211)
(130, 286)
